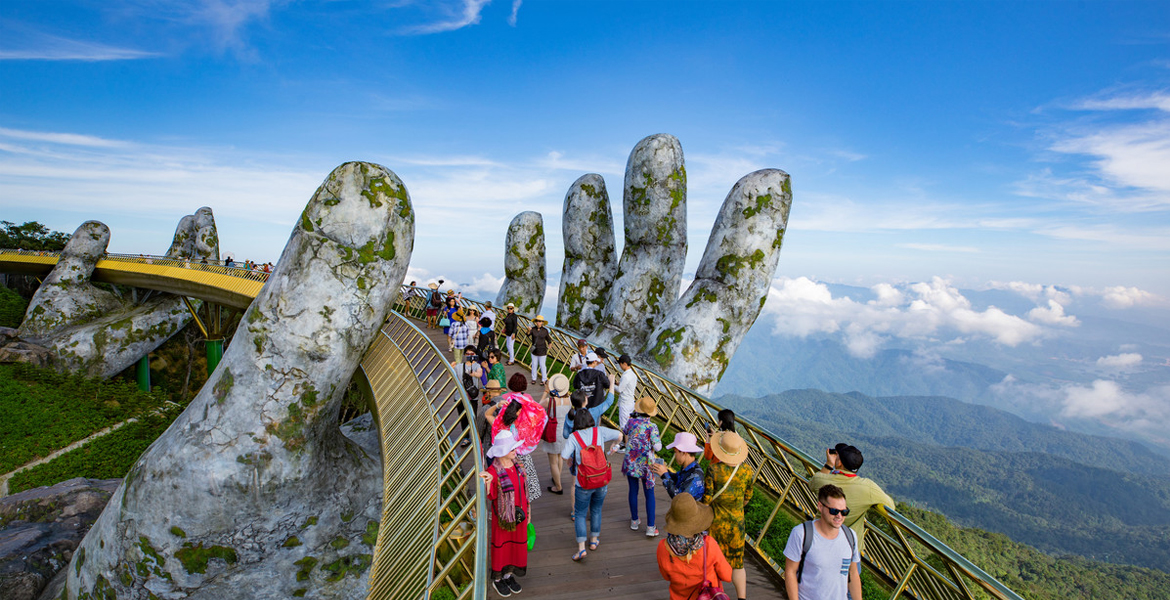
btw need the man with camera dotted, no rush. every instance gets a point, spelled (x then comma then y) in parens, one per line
(840, 469)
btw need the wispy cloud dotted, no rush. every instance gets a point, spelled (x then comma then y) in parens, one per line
(466, 13)
(940, 248)
(43, 46)
(515, 11)
(70, 139)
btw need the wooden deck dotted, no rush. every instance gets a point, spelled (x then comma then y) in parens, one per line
(625, 565)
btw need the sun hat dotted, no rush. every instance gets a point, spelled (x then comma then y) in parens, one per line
(729, 447)
(510, 305)
(504, 442)
(559, 385)
(686, 516)
(540, 318)
(458, 316)
(591, 357)
(492, 384)
(433, 285)
(685, 441)
(647, 406)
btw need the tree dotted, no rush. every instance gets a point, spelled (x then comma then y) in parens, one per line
(31, 236)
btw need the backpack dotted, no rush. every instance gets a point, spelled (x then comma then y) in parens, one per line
(808, 537)
(436, 298)
(593, 472)
(469, 386)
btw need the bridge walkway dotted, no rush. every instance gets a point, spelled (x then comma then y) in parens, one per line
(625, 564)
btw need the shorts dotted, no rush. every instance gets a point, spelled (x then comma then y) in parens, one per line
(431, 312)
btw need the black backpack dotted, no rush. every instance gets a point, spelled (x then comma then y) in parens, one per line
(808, 538)
(436, 299)
(469, 386)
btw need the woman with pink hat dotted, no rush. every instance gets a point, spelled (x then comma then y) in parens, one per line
(689, 477)
(509, 514)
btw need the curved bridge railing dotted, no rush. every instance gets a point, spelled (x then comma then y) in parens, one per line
(909, 560)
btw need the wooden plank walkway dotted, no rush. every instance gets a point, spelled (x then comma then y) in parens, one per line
(625, 564)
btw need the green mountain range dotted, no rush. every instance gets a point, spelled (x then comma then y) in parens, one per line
(1062, 492)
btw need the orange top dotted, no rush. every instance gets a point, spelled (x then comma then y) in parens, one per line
(685, 575)
(708, 453)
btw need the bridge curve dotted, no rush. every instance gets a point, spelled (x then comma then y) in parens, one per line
(425, 554)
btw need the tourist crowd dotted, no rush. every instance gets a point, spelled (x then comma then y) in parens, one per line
(709, 483)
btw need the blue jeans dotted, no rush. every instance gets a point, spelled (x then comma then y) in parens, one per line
(635, 483)
(588, 500)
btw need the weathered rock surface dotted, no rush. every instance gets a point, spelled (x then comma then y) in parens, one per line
(590, 255)
(196, 237)
(524, 268)
(650, 271)
(697, 338)
(40, 529)
(254, 492)
(91, 330)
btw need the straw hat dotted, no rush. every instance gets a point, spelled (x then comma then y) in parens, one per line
(687, 517)
(503, 443)
(492, 384)
(647, 406)
(433, 285)
(729, 447)
(540, 319)
(559, 385)
(458, 316)
(685, 441)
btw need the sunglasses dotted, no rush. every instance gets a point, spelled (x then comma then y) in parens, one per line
(844, 512)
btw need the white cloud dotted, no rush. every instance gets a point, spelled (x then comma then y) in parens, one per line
(940, 248)
(1053, 315)
(51, 47)
(69, 139)
(1120, 361)
(1126, 297)
(467, 13)
(515, 11)
(484, 287)
(1105, 398)
(921, 311)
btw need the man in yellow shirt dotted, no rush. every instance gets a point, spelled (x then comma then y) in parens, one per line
(841, 465)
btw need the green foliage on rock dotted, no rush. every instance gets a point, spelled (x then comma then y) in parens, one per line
(12, 307)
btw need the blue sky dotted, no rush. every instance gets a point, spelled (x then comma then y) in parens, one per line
(979, 142)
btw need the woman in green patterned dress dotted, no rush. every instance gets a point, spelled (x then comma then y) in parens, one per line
(729, 488)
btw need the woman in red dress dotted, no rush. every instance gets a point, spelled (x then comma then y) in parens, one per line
(509, 506)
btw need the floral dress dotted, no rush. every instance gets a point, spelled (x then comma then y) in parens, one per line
(728, 526)
(643, 443)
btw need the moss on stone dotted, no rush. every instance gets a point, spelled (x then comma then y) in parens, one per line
(355, 564)
(299, 592)
(306, 222)
(762, 202)
(196, 557)
(224, 386)
(291, 542)
(371, 536)
(178, 532)
(663, 350)
(80, 560)
(338, 543)
(702, 295)
(779, 241)
(306, 565)
(729, 265)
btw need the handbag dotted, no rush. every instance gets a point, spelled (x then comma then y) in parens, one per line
(706, 590)
(444, 322)
(550, 426)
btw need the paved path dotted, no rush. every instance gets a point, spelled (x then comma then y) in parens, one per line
(625, 565)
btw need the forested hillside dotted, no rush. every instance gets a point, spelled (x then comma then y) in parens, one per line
(935, 453)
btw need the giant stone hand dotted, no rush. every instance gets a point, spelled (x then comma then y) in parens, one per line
(692, 338)
(94, 331)
(254, 484)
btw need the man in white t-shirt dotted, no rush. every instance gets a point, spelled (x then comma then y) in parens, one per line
(578, 361)
(625, 390)
(830, 566)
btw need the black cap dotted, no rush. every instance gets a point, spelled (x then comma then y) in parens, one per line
(850, 457)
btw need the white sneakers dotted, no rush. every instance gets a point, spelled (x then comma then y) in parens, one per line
(651, 532)
(634, 525)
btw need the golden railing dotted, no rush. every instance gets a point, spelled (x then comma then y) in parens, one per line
(909, 560)
(432, 541)
(411, 371)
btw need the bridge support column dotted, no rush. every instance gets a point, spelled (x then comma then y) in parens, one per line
(143, 373)
(214, 353)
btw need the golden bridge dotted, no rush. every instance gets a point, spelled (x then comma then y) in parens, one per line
(432, 541)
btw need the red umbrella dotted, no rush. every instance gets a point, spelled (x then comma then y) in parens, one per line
(529, 423)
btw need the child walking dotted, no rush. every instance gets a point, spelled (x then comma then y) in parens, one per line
(642, 442)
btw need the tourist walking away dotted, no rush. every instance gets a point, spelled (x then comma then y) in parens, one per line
(689, 558)
(728, 489)
(434, 303)
(489, 313)
(593, 380)
(625, 389)
(487, 336)
(458, 335)
(689, 477)
(540, 342)
(505, 483)
(556, 403)
(642, 443)
(841, 464)
(821, 559)
(586, 449)
(511, 323)
(725, 421)
(578, 361)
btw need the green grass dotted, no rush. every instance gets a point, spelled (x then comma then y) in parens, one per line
(12, 308)
(107, 457)
(45, 411)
